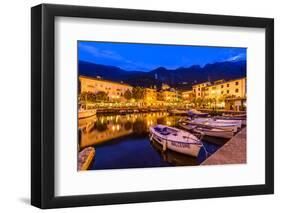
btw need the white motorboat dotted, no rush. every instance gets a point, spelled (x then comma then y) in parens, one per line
(235, 115)
(196, 113)
(175, 139)
(242, 117)
(209, 131)
(231, 125)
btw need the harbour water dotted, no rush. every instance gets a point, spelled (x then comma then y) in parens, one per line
(121, 141)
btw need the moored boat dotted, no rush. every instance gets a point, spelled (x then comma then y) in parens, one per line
(242, 117)
(231, 125)
(178, 112)
(209, 131)
(175, 139)
(196, 113)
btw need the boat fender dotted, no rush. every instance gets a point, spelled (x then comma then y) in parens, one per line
(151, 136)
(164, 146)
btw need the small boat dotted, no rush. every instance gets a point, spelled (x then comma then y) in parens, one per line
(177, 112)
(85, 158)
(242, 117)
(196, 113)
(209, 131)
(175, 139)
(235, 115)
(85, 113)
(123, 112)
(231, 125)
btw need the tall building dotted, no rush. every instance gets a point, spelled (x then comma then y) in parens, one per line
(114, 90)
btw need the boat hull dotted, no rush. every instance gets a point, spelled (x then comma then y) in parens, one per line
(216, 133)
(220, 133)
(226, 125)
(184, 148)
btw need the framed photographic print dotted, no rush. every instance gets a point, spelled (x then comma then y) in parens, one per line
(139, 106)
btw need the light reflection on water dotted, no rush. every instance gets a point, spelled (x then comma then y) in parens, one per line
(121, 141)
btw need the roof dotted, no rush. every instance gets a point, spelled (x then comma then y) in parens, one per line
(103, 80)
(212, 84)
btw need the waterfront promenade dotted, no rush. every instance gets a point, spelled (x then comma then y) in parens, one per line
(233, 152)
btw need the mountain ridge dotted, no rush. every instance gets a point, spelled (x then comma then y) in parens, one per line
(181, 77)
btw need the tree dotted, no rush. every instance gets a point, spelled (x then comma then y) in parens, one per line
(198, 102)
(101, 96)
(128, 95)
(87, 97)
(138, 93)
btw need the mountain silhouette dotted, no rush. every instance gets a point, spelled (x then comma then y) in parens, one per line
(180, 78)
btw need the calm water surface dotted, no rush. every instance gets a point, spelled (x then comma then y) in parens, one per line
(121, 141)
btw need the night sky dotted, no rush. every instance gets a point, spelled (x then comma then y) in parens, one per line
(145, 57)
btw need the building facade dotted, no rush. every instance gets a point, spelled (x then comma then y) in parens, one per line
(150, 96)
(229, 95)
(169, 96)
(114, 90)
(198, 89)
(234, 88)
(188, 95)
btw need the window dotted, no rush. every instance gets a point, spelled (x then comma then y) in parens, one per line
(221, 92)
(227, 85)
(198, 89)
(221, 86)
(236, 83)
(227, 91)
(237, 90)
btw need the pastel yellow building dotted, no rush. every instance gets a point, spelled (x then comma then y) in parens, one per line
(114, 90)
(226, 94)
(234, 88)
(199, 88)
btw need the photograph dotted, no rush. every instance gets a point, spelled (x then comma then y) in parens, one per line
(160, 105)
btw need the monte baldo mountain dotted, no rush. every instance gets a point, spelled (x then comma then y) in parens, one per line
(180, 78)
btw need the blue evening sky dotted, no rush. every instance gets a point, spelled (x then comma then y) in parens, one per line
(145, 57)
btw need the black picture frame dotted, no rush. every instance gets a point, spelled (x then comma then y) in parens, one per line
(43, 102)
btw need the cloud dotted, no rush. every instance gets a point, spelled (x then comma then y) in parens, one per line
(111, 56)
(100, 53)
(238, 57)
